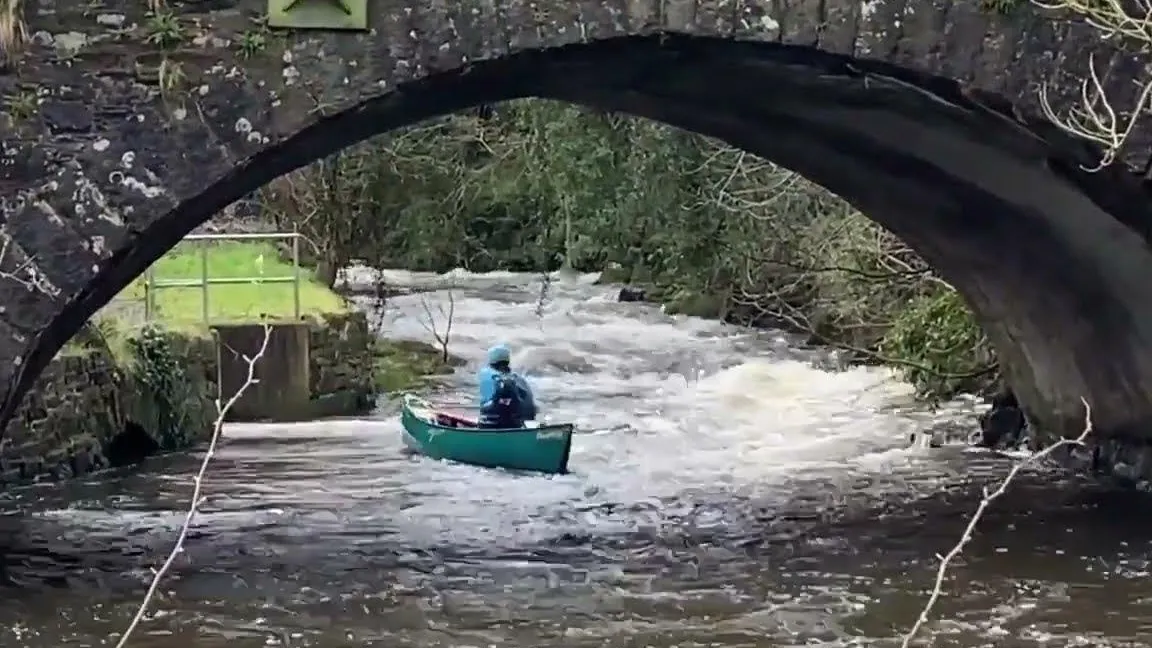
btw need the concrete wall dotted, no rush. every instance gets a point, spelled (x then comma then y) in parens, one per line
(341, 367)
(282, 389)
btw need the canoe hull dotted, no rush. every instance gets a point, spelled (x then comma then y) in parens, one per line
(544, 449)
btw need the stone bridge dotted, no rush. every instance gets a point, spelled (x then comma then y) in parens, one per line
(126, 126)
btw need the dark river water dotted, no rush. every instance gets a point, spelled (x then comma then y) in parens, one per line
(724, 494)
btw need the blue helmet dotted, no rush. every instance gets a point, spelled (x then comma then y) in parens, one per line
(499, 353)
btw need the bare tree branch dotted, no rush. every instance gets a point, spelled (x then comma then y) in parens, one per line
(990, 496)
(13, 30)
(196, 499)
(1094, 117)
(23, 272)
(431, 321)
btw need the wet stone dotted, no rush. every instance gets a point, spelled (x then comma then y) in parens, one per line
(67, 116)
(1125, 461)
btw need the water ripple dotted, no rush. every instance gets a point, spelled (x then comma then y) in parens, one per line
(725, 493)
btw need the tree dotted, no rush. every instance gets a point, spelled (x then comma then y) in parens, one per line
(439, 323)
(710, 230)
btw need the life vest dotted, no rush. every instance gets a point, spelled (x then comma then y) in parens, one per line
(506, 401)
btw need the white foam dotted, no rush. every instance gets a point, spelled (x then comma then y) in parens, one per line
(669, 409)
(701, 412)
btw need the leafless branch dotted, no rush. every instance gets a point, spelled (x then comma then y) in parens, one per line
(22, 272)
(380, 299)
(990, 496)
(797, 320)
(430, 321)
(887, 275)
(542, 298)
(1093, 116)
(13, 31)
(197, 499)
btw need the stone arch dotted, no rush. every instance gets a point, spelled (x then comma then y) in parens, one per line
(1053, 260)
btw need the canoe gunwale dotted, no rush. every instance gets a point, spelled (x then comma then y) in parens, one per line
(567, 428)
(426, 418)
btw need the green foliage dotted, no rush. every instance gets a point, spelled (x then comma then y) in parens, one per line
(22, 105)
(1001, 7)
(405, 364)
(167, 401)
(942, 347)
(537, 185)
(163, 29)
(252, 42)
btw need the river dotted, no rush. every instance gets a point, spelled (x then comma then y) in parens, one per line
(725, 493)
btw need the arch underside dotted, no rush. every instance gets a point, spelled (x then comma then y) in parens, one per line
(1052, 260)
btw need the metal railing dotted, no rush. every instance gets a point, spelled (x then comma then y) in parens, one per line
(152, 285)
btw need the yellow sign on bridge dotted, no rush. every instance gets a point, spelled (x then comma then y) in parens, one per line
(318, 14)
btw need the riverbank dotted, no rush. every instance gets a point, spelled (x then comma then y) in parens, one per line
(142, 378)
(1126, 462)
(932, 341)
(721, 233)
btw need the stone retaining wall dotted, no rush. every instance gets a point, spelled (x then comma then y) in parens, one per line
(343, 365)
(95, 407)
(176, 405)
(66, 422)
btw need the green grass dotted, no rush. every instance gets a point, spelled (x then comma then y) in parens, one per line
(405, 364)
(230, 303)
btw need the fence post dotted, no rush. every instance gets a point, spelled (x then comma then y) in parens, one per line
(152, 284)
(204, 280)
(296, 272)
(148, 275)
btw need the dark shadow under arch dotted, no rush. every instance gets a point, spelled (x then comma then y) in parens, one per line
(1051, 258)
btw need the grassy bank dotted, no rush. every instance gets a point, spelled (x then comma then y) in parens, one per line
(258, 293)
(261, 288)
(407, 364)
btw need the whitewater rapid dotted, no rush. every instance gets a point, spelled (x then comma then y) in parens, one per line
(725, 490)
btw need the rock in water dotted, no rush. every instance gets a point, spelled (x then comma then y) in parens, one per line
(924, 439)
(632, 294)
(1003, 426)
(131, 446)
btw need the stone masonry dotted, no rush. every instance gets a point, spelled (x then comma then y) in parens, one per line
(123, 130)
(83, 407)
(66, 423)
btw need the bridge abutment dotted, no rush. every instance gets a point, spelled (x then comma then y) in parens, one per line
(274, 372)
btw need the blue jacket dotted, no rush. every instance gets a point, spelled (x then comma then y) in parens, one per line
(489, 412)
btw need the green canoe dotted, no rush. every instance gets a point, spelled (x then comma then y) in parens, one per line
(440, 435)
